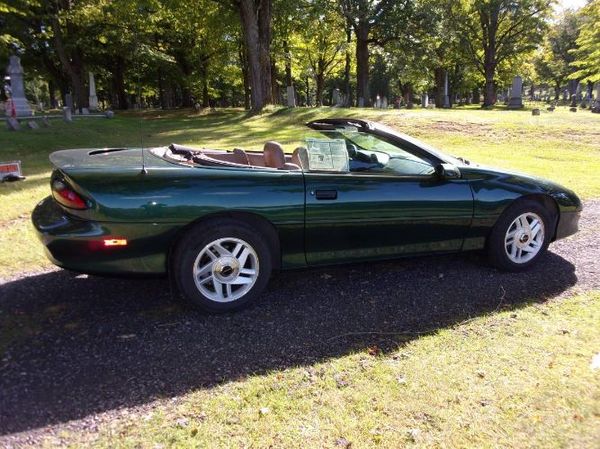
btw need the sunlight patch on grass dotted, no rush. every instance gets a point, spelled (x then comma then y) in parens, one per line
(518, 378)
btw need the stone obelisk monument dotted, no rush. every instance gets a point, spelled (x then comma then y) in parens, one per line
(17, 104)
(93, 99)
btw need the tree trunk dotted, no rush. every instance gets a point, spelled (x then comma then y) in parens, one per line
(362, 64)
(409, 97)
(205, 96)
(489, 92)
(274, 85)
(439, 87)
(347, 67)
(307, 92)
(51, 94)
(254, 55)
(263, 8)
(245, 77)
(320, 82)
(118, 84)
(476, 98)
(71, 64)
(288, 63)
(489, 24)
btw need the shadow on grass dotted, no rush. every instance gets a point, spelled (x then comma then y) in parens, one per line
(71, 345)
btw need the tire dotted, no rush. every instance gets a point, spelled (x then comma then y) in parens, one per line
(222, 265)
(515, 243)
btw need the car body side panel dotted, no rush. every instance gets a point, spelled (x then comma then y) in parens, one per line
(178, 196)
(377, 217)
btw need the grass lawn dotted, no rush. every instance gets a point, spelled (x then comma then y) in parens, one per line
(517, 378)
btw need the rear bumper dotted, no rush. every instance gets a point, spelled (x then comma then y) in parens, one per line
(568, 224)
(79, 244)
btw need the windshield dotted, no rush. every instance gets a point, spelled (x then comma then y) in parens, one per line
(375, 154)
(440, 154)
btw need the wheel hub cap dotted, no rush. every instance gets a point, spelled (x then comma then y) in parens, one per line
(226, 268)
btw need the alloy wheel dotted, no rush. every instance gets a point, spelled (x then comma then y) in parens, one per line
(226, 269)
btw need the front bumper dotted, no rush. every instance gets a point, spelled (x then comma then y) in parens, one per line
(78, 244)
(568, 224)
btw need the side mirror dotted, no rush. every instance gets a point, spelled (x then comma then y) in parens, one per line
(447, 171)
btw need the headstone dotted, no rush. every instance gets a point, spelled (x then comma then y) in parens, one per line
(67, 114)
(576, 93)
(516, 100)
(13, 124)
(565, 95)
(109, 114)
(361, 102)
(335, 98)
(31, 124)
(424, 100)
(93, 99)
(18, 103)
(378, 102)
(85, 111)
(384, 103)
(45, 122)
(69, 101)
(446, 104)
(535, 111)
(596, 105)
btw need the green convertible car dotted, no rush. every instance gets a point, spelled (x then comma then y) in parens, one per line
(219, 221)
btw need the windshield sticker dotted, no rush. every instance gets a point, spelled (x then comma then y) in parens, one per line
(327, 155)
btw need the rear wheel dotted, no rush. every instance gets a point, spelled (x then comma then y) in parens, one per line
(521, 235)
(221, 266)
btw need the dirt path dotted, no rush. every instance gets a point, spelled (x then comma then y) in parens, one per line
(78, 350)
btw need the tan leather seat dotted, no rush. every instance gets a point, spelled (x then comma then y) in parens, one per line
(240, 156)
(274, 155)
(300, 158)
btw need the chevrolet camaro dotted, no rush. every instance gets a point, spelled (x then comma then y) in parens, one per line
(218, 222)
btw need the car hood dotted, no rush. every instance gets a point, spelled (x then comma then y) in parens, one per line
(520, 182)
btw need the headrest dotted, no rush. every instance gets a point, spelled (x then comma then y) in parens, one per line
(274, 156)
(300, 157)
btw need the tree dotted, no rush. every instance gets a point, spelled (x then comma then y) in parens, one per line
(323, 41)
(553, 62)
(373, 21)
(587, 53)
(493, 31)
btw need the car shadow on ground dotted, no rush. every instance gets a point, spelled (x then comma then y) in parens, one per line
(73, 345)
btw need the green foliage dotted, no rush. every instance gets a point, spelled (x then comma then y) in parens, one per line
(587, 53)
(554, 59)
(177, 52)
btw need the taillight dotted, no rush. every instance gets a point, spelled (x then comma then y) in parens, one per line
(66, 196)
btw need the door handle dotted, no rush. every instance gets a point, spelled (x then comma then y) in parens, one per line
(326, 194)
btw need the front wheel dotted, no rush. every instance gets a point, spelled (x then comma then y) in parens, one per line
(221, 266)
(521, 235)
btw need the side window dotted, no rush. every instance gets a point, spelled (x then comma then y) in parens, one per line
(370, 154)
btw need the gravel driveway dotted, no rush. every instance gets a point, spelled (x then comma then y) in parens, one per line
(76, 349)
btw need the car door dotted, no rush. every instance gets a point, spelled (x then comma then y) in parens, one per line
(357, 215)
